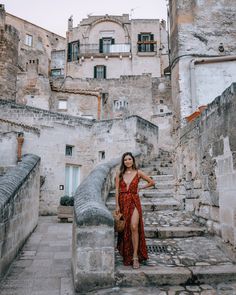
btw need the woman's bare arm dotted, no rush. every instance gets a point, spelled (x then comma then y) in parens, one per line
(150, 181)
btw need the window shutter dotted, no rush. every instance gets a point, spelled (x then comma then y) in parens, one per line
(100, 45)
(152, 45)
(105, 72)
(69, 52)
(139, 40)
(78, 49)
(95, 72)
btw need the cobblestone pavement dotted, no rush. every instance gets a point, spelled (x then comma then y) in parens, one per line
(220, 289)
(43, 267)
(168, 218)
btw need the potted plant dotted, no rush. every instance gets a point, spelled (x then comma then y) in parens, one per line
(65, 209)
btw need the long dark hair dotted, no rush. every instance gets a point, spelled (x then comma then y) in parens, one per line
(122, 165)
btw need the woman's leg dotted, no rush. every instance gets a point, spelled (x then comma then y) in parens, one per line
(134, 231)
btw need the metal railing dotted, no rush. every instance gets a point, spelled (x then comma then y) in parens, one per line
(106, 48)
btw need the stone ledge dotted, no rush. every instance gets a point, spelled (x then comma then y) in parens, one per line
(89, 207)
(13, 179)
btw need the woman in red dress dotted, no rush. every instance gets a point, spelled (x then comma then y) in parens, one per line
(131, 242)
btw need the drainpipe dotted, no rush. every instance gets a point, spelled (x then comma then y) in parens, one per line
(197, 61)
(20, 141)
(99, 107)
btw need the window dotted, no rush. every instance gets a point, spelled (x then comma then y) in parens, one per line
(100, 72)
(121, 104)
(28, 40)
(56, 73)
(146, 42)
(73, 51)
(62, 104)
(161, 101)
(101, 155)
(105, 44)
(161, 110)
(72, 179)
(69, 150)
(58, 59)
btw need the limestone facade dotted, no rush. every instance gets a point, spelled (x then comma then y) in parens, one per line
(205, 166)
(203, 52)
(69, 145)
(122, 46)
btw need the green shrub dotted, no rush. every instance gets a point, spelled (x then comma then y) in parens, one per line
(67, 201)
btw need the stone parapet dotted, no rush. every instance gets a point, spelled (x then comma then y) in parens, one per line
(19, 206)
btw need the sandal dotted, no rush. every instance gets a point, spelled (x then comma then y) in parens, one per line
(136, 264)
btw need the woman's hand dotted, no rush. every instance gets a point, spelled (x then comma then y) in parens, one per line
(117, 209)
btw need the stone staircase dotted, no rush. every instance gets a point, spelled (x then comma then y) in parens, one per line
(180, 250)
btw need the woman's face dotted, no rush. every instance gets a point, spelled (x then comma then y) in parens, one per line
(128, 161)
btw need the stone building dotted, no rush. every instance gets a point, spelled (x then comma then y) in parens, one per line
(203, 65)
(203, 52)
(110, 69)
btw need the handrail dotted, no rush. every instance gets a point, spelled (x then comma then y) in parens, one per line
(89, 205)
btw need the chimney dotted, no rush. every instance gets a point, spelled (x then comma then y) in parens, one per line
(70, 23)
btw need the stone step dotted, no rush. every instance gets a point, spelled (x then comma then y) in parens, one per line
(156, 193)
(151, 204)
(158, 171)
(163, 178)
(163, 275)
(175, 261)
(173, 231)
(157, 165)
(161, 186)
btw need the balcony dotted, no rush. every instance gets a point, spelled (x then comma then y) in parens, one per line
(89, 50)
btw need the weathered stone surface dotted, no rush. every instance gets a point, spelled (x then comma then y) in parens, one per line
(19, 189)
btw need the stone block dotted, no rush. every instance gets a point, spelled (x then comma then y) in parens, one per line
(204, 211)
(227, 233)
(95, 237)
(226, 215)
(215, 213)
(216, 228)
(189, 205)
(95, 260)
(197, 184)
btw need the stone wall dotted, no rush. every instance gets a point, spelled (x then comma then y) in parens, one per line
(19, 207)
(206, 166)
(9, 40)
(203, 49)
(129, 95)
(115, 137)
(29, 58)
(47, 134)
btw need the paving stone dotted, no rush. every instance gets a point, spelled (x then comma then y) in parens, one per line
(193, 288)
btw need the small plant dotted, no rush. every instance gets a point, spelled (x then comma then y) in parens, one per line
(67, 201)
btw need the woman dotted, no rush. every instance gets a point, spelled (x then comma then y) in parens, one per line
(131, 242)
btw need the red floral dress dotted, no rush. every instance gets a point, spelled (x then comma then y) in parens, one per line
(128, 200)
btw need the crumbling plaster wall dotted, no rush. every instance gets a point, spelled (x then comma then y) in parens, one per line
(206, 166)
